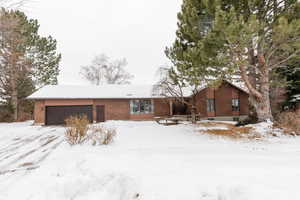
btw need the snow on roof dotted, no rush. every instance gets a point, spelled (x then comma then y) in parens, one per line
(163, 91)
(238, 84)
(94, 92)
(108, 92)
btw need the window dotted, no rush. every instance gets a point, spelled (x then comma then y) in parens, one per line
(235, 105)
(210, 105)
(141, 107)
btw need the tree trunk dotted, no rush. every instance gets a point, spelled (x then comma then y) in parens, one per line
(252, 78)
(263, 105)
(14, 92)
(193, 110)
(263, 108)
(193, 113)
(14, 100)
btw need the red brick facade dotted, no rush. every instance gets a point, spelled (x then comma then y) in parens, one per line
(223, 101)
(119, 109)
(161, 107)
(115, 109)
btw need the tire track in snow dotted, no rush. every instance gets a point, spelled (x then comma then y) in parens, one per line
(26, 142)
(41, 147)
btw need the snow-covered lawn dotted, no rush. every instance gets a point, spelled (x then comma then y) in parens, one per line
(146, 161)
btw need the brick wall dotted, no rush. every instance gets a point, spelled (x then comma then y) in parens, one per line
(39, 111)
(161, 107)
(244, 103)
(119, 109)
(200, 102)
(223, 101)
(68, 102)
(210, 94)
(115, 109)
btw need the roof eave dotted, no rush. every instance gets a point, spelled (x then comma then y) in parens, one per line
(74, 98)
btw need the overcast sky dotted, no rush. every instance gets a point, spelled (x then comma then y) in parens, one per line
(138, 30)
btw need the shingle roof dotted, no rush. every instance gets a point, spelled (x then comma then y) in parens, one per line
(94, 92)
(107, 92)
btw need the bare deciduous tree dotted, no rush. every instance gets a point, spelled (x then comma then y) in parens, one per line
(173, 84)
(13, 3)
(104, 71)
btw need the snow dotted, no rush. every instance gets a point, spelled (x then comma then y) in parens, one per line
(263, 129)
(108, 91)
(94, 92)
(296, 98)
(238, 84)
(150, 162)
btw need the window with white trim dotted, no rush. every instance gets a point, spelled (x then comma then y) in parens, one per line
(142, 106)
(235, 105)
(210, 105)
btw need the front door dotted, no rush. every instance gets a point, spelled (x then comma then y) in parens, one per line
(100, 110)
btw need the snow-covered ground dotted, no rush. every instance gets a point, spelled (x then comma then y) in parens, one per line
(146, 161)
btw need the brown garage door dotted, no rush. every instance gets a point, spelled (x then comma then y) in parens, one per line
(56, 115)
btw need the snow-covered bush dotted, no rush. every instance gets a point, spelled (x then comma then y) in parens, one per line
(290, 122)
(77, 127)
(100, 135)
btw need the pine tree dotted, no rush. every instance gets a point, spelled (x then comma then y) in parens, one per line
(292, 74)
(25, 56)
(246, 39)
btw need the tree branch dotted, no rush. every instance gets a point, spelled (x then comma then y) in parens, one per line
(285, 60)
(245, 77)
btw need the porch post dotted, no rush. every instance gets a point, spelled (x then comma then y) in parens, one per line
(171, 107)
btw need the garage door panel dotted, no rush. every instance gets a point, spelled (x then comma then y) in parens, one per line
(56, 115)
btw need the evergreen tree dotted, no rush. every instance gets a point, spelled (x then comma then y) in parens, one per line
(28, 60)
(292, 75)
(246, 39)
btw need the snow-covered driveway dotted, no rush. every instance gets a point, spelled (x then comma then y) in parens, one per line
(23, 147)
(146, 161)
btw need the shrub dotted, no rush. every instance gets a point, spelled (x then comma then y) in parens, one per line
(25, 110)
(100, 135)
(289, 121)
(23, 116)
(6, 113)
(246, 121)
(77, 128)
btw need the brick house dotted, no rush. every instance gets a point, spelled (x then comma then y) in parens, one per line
(228, 102)
(53, 104)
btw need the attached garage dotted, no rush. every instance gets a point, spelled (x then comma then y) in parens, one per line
(55, 103)
(56, 115)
